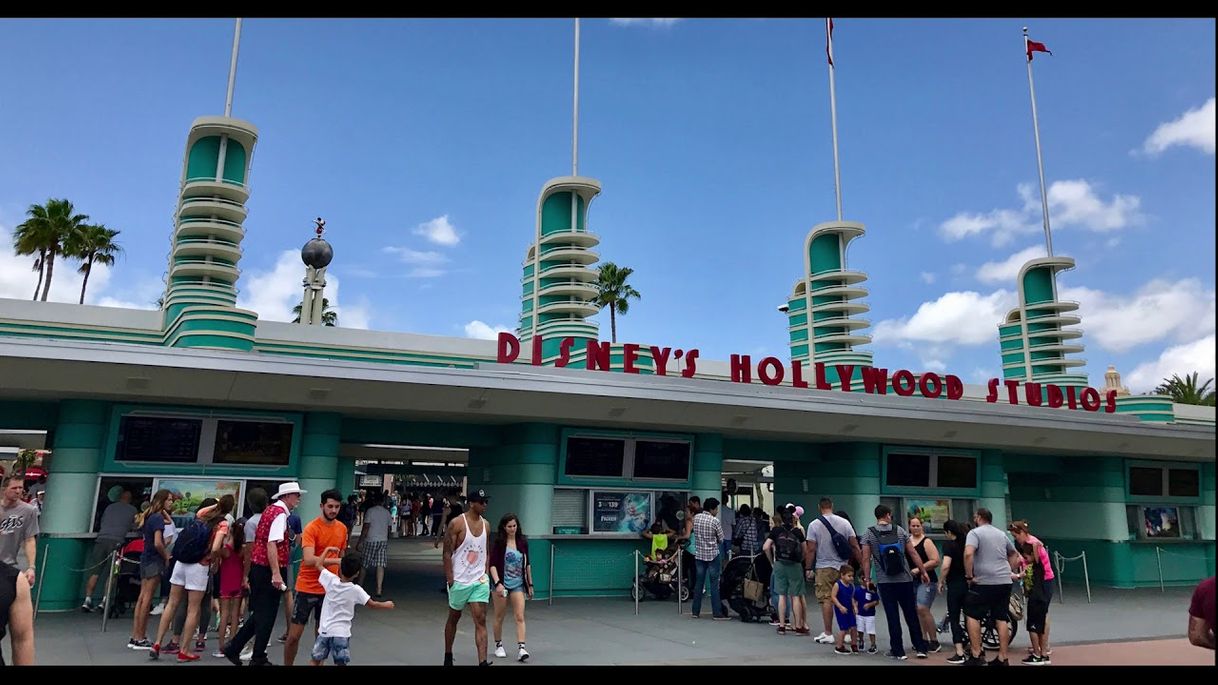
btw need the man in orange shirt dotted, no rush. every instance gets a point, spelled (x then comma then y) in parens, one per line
(322, 532)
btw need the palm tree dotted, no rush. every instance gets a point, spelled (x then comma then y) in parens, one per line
(329, 317)
(614, 292)
(92, 245)
(46, 231)
(1185, 390)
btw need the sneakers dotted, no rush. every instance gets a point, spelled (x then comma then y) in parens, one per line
(775, 622)
(854, 649)
(998, 662)
(936, 647)
(1033, 660)
(970, 660)
(448, 658)
(200, 645)
(187, 657)
(728, 618)
(139, 644)
(247, 653)
(782, 630)
(155, 652)
(872, 649)
(500, 652)
(157, 610)
(523, 655)
(898, 657)
(282, 638)
(823, 639)
(956, 659)
(841, 650)
(219, 654)
(87, 607)
(171, 648)
(921, 655)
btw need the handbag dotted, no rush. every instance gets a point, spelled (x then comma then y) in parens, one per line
(754, 590)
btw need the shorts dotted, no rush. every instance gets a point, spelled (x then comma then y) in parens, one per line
(992, 601)
(788, 578)
(825, 578)
(193, 577)
(152, 568)
(1036, 613)
(102, 548)
(844, 621)
(865, 624)
(476, 593)
(332, 645)
(306, 603)
(376, 554)
(926, 594)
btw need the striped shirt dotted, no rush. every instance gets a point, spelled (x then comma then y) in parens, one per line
(708, 533)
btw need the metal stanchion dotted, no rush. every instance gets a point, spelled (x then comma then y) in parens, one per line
(109, 585)
(1060, 591)
(1086, 577)
(637, 590)
(1159, 560)
(680, 580)
(550, 601)
(46, 552)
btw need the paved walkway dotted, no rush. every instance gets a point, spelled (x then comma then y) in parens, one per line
(1119, 627)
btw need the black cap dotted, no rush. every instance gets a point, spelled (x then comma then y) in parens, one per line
(478, 496)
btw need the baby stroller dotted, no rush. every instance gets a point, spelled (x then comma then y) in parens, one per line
(989, 630)
(659, 578)
(744, 586)
(126, 587)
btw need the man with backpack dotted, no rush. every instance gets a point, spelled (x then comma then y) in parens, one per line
(832, 543)
(785, 549)
(889, 547)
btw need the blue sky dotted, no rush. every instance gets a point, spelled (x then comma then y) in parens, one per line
(425, 143)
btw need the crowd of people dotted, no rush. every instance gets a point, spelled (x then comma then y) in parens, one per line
(238, 569)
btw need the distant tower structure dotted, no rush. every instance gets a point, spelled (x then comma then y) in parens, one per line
(316, 255)
(1112, 381)
(1036, 337)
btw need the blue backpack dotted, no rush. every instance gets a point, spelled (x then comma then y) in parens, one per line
(890, 553)
(191, 545)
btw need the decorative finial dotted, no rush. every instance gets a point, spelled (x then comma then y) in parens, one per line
(321, 225)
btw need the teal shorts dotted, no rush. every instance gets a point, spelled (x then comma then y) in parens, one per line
(461, 595)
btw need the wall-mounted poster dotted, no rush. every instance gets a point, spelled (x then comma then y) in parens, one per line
(620, 512)
(1161, 522)
(194, 491)
(932, 512)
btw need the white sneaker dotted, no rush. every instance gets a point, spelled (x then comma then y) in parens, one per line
(524, 654)
(824, 639)
(157, 610)
(247, 653)
(500, 652)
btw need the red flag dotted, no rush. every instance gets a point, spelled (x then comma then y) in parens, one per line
(829, 42)
(1033, 46)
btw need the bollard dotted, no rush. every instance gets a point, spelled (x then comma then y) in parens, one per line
(1060, 588)
(550, 602)
(46, 551)
(109, 601)
(1086, 577)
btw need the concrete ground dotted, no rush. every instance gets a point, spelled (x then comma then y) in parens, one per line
(1119, 627)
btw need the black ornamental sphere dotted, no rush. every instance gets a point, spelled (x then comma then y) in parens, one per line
(317, 253)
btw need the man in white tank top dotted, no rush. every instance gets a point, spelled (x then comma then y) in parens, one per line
(466, 570)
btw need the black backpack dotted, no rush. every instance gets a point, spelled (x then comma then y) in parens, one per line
(840, 543)
(786, 546)
(191, 545)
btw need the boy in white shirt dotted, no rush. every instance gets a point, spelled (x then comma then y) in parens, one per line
(338, 608)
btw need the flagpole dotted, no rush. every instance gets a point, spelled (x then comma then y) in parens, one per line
(575, 109)
(1040, 163)
(232, 71)
(837, 177)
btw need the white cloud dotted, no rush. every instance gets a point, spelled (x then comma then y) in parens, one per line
(1159, 310)
(273, 294)
(438, 231)
(1008, 269)
(1181, 359)
(1071, 203)
(935, 365)
(654, 23)
(424, 263)
(1194, 128)
(927, 277)
(962, 318)
(484, 331)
